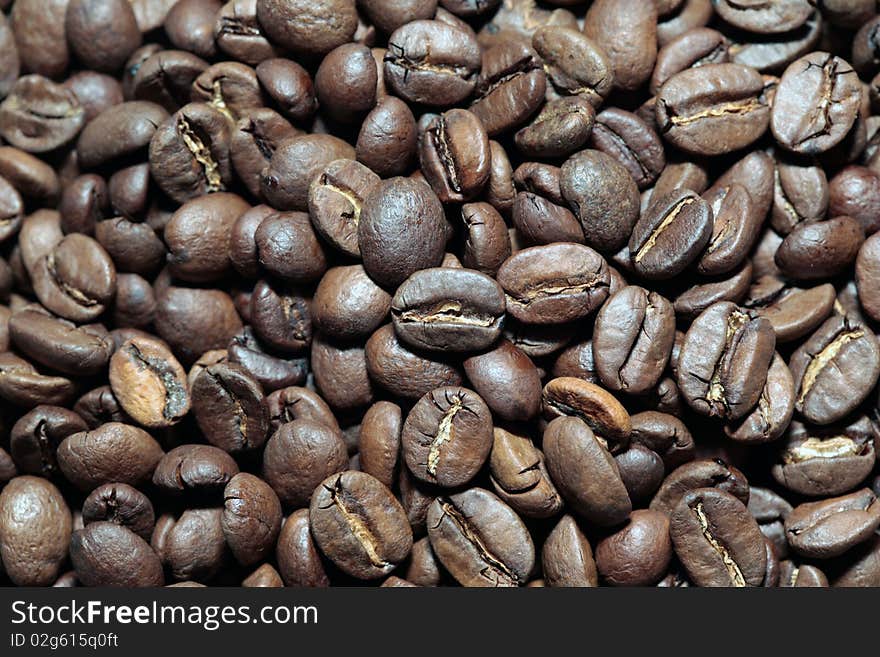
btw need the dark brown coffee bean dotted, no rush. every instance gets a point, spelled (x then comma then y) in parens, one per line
(132, 125)
(774, 410)
(379, 441)
(734, 229)
(295, 403)
(800, 195)
(603, 196)
(760, 18)
(444, 309)
(299, 456)
(35, 526)
(818, 80)
(299, 562)
(308, 27)
(716, 539)
(633, 336)
(665, 435)
(228, 406)
(828, 528)
(713, 109)
(200, 470)
(638, 554)
(61, 345)
(692, 49)
(575, 64)
(239, 34)
(346, 82)
(402, 229)
(480, 540)
(491, 374)
(520, 477)
(288, 247)
(793, 312)
(630, 141)
(804, 575)
(828, 383)
(359, 525)
(39, 115)
(560, 128)
(454, 155)
(263, 577)
(510, 87)
(593, 405)
(290, 86)
(823, 461)
(108, 554)
(627, 31)
(703, 473)
(251, 518)
(431, 62)
(820, 250)
(670, 234)
(102, 33)
(149, 383)
(554, 284)
(348, 305)
(585, 472)
(447, 436)
(567, 557)
(35, 437)
(388, 137)
(22, 385)
(122, 505)
(336, 198)
(340, 373)
(724, 361)
(191, 546)
(402, 372)
(113, 452)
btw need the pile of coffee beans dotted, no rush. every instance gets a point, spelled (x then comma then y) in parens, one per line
(439, 292)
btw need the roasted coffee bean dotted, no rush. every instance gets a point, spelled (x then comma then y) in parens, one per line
(771, 18)
(308, 27)
(35, 437)
(803, 575)
(828, 528)
(191, 545)
(35, 527)
(359, 525)
(251, 518)
(671, 234)
(821, 249)
(445, 309)
(585, 472)
(454, 155)
(447, 436)
(724, 361)
(347, 304)
(287, 247)
(290, 86)
(716, 539)
(733, 287)
(102, 33)
(663, 434)
(818, 80)
(567, 557)
(520, 477)
(828, 387)
(403, 372)
(638, 554)
(122, 505)
(295, 403)
(431, 62)
(379, 441)
(627, 31)
(575, 64)
(401, 230)
(39, 115)
(149, 383)
(793, 312)
(22, 385)
(200, 470)
(132, 125)
(554, 284)
(388, 138)
(713, 109)
(560, 128)
(632, 142)
(239, 34)
(568, 396)
(113, 452)
(774, 410)
(633, 336)
(735, 228)
(824, 461)
(603, 196)
(336, 198)
(61, 345)
(108, 554)
(263, 577)
(480, 540)
(800, 195)
(299, 562)
(692, 49)
(770, 510)
(492, 373)
(855, 192)
(299, 455)
(340, 373)
(228, 406)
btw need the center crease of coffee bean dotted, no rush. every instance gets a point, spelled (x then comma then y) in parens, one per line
(201, 153)
(448, 312)
(733, 570)
(441, 143)
(445, 433)
(358, 527)
(175, 393)
(348, 194)
(655, 234)
(732, 108)
(735, 322)
(77, 295)
(819, 448)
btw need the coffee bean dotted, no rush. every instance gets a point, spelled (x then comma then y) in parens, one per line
(447, 436)
(633, 336)
(567, 556)
(39, 115)
(520, 478)
(122, 505)
(228, 406)
(825, 529)
(336, 198)
(454, 155)
(59, 344)
(251, 518)
(35, 526)
(308, 27)
(480, 540)
(359, 525)
(627, 31)
(35, 437)
(823, 461)
(107, 554)
(793, 312)
(815, 80)
(716, 539)
(820, 250)
(191, 545)
(149, 383)
(194, 470)
(703, 473)
(299, 562)
(774, 410)
(724, 360)
(560, 128)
